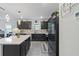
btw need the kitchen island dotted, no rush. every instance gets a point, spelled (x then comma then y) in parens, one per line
(13, 46)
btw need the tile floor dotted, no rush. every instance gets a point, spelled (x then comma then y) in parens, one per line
(38, 48)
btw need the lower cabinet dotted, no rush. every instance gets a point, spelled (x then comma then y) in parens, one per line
(11, 50)
(39, 37)
(25, 47)
(17, 50)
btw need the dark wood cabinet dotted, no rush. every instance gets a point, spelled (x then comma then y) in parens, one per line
(17, 50)
(11, 50)
(24, 25)
(23, 48)
(39, 37)
(44, 25)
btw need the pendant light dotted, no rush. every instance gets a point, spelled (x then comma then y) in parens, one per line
(7, 18)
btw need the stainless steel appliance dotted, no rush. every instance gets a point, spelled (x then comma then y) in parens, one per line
(53, 36)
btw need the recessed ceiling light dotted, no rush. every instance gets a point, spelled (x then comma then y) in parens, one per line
(19, 11)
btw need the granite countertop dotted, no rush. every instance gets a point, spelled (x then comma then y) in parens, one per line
(14, 40)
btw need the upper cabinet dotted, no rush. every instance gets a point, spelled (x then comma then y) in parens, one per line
(44, 24)
(24, 24)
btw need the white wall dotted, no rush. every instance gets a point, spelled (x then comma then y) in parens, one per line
(69, 33)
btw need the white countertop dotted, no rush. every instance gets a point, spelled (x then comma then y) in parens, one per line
(14, 40)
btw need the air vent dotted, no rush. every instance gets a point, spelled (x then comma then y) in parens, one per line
(2, 8)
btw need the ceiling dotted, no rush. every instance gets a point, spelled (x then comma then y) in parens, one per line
(28, 10)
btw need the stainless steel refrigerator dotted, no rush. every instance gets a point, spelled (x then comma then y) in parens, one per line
(53, 36)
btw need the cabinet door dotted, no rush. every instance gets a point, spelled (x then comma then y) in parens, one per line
(39, 37)
(28, 43)
(11, 50)
(23, 49)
